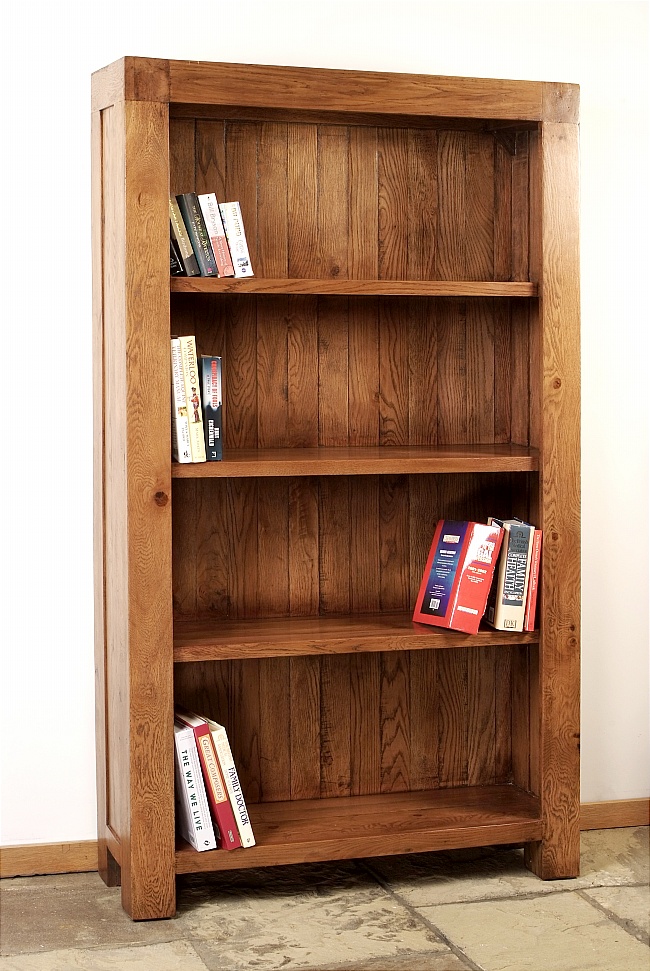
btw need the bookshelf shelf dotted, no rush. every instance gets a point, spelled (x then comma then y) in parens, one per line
(352, 288)
(352, 826)
(273, 591)
(216, 640)
(395, 460)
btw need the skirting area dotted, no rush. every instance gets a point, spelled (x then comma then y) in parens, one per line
(48, 858)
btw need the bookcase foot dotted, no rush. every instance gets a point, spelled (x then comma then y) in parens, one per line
(546, 861)
(109, 868)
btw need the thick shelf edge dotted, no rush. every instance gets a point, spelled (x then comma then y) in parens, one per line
(350, 827)
(218, 640)
(370, 288)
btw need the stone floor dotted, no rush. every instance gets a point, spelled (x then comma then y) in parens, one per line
(453, 911)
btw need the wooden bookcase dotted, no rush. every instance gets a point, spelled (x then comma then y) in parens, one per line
(407, 350)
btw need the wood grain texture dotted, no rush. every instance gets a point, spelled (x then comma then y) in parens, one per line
(369, 287)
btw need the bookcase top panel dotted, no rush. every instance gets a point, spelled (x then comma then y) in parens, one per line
(324, 89)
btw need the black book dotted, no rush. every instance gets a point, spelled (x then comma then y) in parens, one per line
(188, 204)
(181, 238)
(176, 267)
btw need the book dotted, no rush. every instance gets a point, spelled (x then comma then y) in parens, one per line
(234, 227)
(176, 267)
(214, 225)
(181, 237)
(181, 447)
(193, 397)
(507, 599)
(458, 575)
(533, 581)
(188, 204)
(229, 770)
(218, 798)
(192, 813)
(211, 400)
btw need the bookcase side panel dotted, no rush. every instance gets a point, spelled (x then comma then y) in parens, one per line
(559, 666)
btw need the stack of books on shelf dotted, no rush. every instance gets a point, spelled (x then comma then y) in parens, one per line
(477, 570)
(196, 403)
(210, 807)
(207, 238)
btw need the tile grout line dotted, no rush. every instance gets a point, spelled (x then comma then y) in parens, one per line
(420, 918)
(622, 923)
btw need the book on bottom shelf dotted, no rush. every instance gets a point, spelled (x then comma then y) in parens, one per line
(506, 609)
(211, 400)
(218, 797)
(193, 397)
(181, 447)
(229, 771)
(458, 575)
(192, 813)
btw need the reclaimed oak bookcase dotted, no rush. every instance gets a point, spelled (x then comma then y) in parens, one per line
(407, 350)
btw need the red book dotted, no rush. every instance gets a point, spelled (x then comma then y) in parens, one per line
(215, 788)
(458, 575)
(533, 581)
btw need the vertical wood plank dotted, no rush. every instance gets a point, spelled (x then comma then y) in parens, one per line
(423, 771)
(240, 389)
(210, 142)
(275, 730)
(302, 370)
(334, 544)
(272, 214)
(395, 726)
(422, 220)
(393, 372)
(243, 546)
(303, 546)
(273, 593)
(302, 200)
(363, 240)
(365, 725)
(242, 140)
(272, 378)
(503, 719)
(335, 726)
(363, 372)
(333, 371)
(365, 568)
(393, 173)
(394, 542)
(333, 201)
(244, 724)
(305, 727)
(453, 389)
(182, 160)
(422, 372)
(450, 257)
(559, 669)
(520, 209)
(481, 693)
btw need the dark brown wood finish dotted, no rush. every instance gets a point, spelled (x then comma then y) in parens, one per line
(406, 351)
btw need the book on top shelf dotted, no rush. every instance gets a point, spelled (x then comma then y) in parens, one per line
(507, 599)
(229, 770)
(211, 400)
(234, 227)
(176, 267)
(214, 225)
(188, 204)
(458, 575)
(181, 446)
(193, 396)
(181, 237)
(218, 798)
(192, 814)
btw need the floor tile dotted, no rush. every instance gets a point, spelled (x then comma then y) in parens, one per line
(630, 905)
(554, 932)
(154, 957)
(69, 914)
(608, 858)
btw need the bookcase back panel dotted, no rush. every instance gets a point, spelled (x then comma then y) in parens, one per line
(308, 370)
(364, 202)
(318, 727)
(247, 548)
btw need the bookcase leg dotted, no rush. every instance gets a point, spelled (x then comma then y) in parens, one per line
(109, 868)
(551, 861)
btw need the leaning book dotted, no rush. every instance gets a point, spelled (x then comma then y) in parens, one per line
(192, 813)
(181, 448)
(193, 397)
(507, 600)
(234, 227)
(458, 575)
(229, 770)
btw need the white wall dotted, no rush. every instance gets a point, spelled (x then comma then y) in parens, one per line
(50, 51)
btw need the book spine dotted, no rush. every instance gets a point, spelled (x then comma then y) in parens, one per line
(188, 204)
(216, 232)
(194, 821)
(180, 236)
(211, 400)
(176, 267)
(181, 447)
(508, 610)
(192, 397)
(216, 791)
(229, 770)
(533, 581)
(234, 227)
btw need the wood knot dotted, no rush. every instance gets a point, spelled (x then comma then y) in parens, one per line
(555, 537)
(161, 498)
(557, 383)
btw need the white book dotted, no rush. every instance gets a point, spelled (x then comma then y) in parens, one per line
(234, 226)
(181, 448)
(214, 225)
(193, 397)
(193, 814)
(229, 771)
